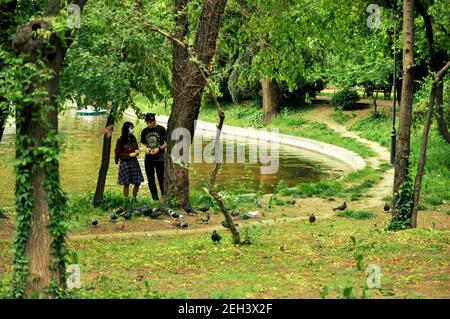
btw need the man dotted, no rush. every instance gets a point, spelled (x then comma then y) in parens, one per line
(153, 138)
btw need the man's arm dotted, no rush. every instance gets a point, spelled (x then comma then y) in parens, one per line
(163, 139)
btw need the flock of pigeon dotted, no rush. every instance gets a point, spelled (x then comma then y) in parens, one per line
(178, 220)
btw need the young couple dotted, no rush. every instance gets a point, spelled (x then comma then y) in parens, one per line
(153, 139)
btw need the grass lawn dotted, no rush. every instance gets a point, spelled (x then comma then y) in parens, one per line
(295, 260)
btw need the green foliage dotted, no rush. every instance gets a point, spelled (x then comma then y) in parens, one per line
(114, 55)
(345, 99)
(402, 217)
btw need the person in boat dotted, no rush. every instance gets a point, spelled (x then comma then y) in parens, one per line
(153, 138)
(126, 153)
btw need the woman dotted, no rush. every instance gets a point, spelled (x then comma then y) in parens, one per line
(126, 152)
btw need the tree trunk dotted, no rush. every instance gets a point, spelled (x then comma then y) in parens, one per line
(422, 159)
(440, 117)
(423, 147)
(405, 113)
(270, 99)
(106, 155)
(36, 123)
(188, 85)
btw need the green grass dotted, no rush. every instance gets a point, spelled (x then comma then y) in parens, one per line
(356, 214)
(435, 190)
(352, 186)
(295, 260)
(341, 117)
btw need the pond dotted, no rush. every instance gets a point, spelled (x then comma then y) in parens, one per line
(81, 157)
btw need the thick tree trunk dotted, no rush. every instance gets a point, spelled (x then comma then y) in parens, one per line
(37, 247)
(405, 113)
(40, 251)
(270, 99)
(188, 85)
(106, 155)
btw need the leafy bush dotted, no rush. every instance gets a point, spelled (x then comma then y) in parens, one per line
(345, 99)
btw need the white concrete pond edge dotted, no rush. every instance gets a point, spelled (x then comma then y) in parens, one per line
(350, 158)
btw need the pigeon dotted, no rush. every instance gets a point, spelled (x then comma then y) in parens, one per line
(120, 226)
(118, 211)
(226, 225)
(184, 224)
(387, 208)
(292, 202)
(173, 213)
(205, 219)
(167, 210)
(113, 217)
(342, 207)
(234, 213)
(188, 209)
(127, 215)
(312, 218)
(144, 210)
(216, 237)
(204, 209)
(154, 213)
(94, 223)
(244, 216)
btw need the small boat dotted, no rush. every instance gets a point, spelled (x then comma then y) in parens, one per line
(91, 111)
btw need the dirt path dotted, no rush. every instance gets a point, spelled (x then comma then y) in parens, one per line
(382, 188)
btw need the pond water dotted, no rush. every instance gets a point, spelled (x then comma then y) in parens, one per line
(81, 157)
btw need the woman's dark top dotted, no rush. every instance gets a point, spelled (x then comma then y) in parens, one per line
(123, 150)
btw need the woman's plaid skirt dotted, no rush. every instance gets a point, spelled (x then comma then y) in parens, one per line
(130, 172)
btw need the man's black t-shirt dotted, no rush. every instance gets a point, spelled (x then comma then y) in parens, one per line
(154, 137)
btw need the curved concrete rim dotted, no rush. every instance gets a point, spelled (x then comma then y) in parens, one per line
(355, 161)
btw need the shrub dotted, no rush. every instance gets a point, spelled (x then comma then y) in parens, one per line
(345, 99)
